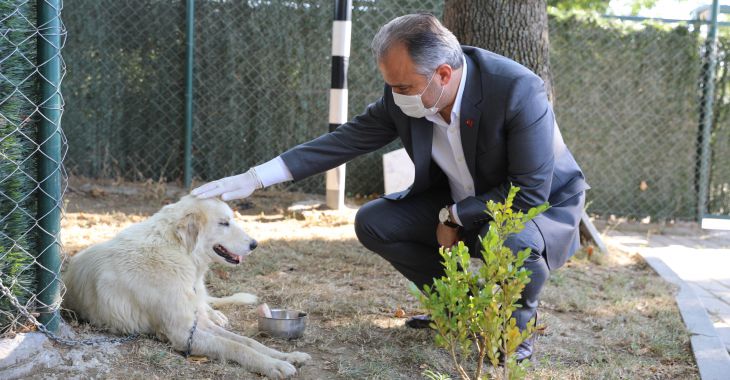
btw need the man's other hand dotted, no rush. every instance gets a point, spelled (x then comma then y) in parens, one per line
(447, 236)
(234, 187)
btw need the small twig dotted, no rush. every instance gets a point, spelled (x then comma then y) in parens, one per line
(459, 368)
(480, 362)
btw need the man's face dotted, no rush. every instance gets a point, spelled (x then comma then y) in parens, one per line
(399, 72)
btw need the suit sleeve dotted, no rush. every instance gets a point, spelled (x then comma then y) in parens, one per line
(365, 133)
(529, 137)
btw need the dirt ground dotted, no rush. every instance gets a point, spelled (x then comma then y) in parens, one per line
(607, 317)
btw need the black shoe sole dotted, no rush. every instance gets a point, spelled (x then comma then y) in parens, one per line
(529, 358)
(419, 322)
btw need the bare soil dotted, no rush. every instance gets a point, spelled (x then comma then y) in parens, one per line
(607, 317)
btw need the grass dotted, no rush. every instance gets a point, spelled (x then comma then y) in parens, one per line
(612, 317)
(17, 159)
(604, 317)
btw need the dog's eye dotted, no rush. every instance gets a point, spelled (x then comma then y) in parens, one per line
(224, 224)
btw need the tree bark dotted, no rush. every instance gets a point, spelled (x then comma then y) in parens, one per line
(517, 29)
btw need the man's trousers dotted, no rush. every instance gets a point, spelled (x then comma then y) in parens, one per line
(403, 232)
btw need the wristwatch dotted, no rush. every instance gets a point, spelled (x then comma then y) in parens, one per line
(445, 217)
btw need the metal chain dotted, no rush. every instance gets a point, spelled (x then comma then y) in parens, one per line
(69, 342)
(192, 331)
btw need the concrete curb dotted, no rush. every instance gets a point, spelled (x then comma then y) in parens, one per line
(34, 355)
(710, 353)
(21, 355)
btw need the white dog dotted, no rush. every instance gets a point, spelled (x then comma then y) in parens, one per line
(149, 279)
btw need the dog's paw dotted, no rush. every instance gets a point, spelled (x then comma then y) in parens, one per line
(297, 358)
(244, 298)
(279, 369)
(218, 318)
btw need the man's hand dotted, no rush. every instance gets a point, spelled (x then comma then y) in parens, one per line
(447, 236)
(235, 187)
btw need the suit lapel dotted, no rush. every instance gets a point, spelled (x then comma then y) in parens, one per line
(422, 135)
(470, 114)
(422, 129)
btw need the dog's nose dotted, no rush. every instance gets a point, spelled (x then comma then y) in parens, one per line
(253, 245)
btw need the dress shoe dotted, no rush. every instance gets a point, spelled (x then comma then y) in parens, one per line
(419, 322)
(523, 351)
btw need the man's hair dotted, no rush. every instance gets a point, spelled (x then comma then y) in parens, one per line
(428, 42)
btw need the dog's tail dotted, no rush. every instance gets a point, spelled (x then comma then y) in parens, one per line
(235, 299)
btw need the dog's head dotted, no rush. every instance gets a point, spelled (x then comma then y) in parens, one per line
(207, 228)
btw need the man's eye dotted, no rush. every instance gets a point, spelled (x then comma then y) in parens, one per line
(225, 224)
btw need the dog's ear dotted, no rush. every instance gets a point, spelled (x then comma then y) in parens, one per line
(189, 228)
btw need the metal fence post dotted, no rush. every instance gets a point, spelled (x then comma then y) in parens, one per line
(707, 112)
(188, 170)
(49, 163)
(341, 31)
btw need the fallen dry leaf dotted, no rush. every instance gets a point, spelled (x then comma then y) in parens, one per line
(97, 192)
(541, 329)
(223, 275)
(195, 359)
(400, 313)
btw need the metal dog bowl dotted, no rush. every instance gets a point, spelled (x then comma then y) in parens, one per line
(287, 324)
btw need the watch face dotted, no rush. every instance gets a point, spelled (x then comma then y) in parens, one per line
(443, 215)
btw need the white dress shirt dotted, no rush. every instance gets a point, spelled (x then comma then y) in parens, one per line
(448, 153)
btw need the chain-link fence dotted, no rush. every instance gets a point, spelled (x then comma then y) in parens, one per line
(125, 88)
(627, 102)
(261, 84)
(32, 147)
(627, 95)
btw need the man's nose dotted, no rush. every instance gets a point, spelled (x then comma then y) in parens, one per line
(253, 245)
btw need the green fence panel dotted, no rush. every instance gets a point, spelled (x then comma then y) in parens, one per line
(32, 147)
(627, 103)
(627, 96)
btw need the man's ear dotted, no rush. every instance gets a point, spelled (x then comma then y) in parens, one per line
(444, 72)
(189, 228)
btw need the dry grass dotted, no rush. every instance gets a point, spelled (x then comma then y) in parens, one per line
(604, 317)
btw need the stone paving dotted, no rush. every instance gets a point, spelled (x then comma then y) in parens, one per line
(698, 261)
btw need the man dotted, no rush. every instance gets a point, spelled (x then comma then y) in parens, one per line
(473, 122)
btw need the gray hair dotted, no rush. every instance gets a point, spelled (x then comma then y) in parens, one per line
(428, 42)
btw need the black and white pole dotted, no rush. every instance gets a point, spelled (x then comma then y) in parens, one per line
(341, 30)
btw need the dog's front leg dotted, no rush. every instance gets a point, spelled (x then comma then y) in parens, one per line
(211, 344)
(202, 296)
(216, 316)
(296, 358)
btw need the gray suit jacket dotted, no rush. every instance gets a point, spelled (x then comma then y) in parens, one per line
(509, 136)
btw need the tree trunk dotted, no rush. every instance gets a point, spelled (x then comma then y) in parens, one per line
(517, 29)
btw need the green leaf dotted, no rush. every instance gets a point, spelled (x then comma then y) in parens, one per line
(468, 306)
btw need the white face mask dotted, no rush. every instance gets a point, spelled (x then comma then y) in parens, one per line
(412, 105)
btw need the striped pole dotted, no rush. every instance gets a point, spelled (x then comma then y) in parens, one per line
(341, 29)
